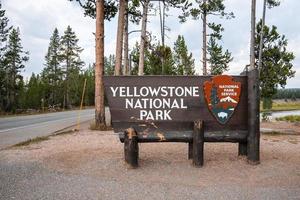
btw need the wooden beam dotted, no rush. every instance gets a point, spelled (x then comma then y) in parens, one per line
(190, 151)
(131, 148)
(187, 136)
(253, 117)
(198, 143)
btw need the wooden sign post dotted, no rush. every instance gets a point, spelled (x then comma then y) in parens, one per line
(191, 109)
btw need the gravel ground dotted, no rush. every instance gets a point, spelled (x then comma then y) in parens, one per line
(90, 165)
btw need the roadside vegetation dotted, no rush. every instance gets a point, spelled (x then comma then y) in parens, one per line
(289, 118)
(282, 105)
(43, 138)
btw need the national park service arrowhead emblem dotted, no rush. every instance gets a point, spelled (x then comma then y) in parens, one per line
(222, 95)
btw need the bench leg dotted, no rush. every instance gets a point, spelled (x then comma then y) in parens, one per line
(190, 152)
(131, 148)
(198, 143)
(242, 149)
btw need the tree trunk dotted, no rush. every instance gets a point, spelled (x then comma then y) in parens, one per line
(252, 40)
(99, 66)
(143, 38)
(262, 35)
(204, 40)
(119, 45)
(126, 65)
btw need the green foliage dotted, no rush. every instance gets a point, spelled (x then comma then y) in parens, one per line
(4, 32)
(135, 55)
(13, 62)
(162, 60)
(159, 61)
(52, 73)
(184, 62)
(71, 66)
(109, 65)
(287, 93)
(218, 59)
(283, 106)
(267, 103)
(89, 7)
(276, 61)
(34, 93)
(89, 75)
(273, 3)
(197, 8)
(289, 118)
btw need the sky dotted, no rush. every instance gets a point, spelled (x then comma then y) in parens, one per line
(38, 18)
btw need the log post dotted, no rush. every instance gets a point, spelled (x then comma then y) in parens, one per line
(131, 148)
(253, 117)
(242, 148)
(190, 152)
(198, 143)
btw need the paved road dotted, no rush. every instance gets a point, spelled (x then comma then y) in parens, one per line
(21, 128)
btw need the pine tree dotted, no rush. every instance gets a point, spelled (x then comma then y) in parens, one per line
(218, 59)
(34, 93)
(100, 10)
(202, 9)
(14, 59)
(89, 74)
(4, 31)
(277, 64)
(89, 6)
(52, 74)
(109, 64)
(154, 58)
(71, 65)
(135, 55)
(184, 61)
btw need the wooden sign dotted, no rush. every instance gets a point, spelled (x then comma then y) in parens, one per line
(162, 103)
(190, 109)
(222, 95)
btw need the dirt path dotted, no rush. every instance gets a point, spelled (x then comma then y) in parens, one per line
(93, 161)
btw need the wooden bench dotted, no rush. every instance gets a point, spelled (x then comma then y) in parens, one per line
(193, 124)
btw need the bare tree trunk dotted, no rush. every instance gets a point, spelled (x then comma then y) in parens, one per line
(252, 40)
(99, 66)
(160, 22)
(119, 45)
(204, 41)
(143, 38)
(262, 35)
(126, 65)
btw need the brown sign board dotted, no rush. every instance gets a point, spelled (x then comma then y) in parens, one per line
(167, 103)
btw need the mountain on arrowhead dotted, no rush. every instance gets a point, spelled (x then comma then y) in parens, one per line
(228, 99)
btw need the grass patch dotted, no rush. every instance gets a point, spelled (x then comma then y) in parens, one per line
(289, 118)
(272, 133)
(41, 139)
(32, 141)
(282, 106)
(65, 132)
